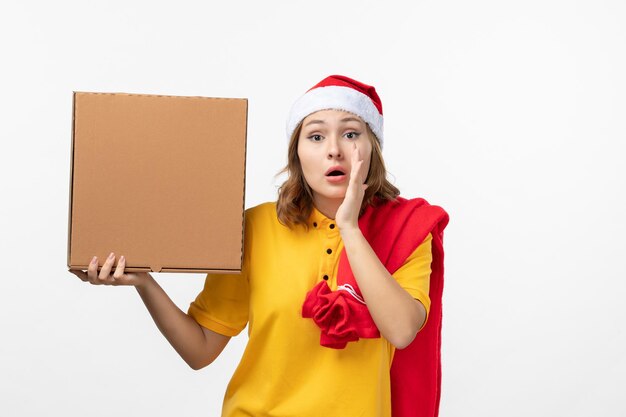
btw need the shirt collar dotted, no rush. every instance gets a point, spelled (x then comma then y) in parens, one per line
(318, 221)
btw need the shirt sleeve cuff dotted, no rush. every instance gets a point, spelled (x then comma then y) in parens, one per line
(422, 298)
(212, 323)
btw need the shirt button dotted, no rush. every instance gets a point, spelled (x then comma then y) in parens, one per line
(326, 277)
(332, 226)
(329, 251)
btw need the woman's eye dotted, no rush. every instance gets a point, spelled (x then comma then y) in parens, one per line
(315, 138)
(352, 135)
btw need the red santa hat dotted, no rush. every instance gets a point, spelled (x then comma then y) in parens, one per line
(339, 93)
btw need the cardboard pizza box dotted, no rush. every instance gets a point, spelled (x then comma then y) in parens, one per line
(158, 179)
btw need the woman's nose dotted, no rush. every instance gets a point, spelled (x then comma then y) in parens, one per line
(334, 148)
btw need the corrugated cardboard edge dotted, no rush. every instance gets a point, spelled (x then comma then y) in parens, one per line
(245, 162)
(69, 211)
(161, 95)
(159, 268)
(177, 270)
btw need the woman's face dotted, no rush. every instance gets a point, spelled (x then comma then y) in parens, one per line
(325, 145)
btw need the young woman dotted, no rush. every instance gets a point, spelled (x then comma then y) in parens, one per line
(337, 274)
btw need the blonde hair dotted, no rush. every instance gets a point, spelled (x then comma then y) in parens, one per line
(295, 198)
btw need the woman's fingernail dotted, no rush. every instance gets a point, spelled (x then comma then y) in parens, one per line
(122, 258)
(110, 255)
(93, 260)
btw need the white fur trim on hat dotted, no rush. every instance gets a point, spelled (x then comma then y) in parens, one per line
(336, 98)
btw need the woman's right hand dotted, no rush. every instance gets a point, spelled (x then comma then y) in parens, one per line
(197, 345)
(104, 277)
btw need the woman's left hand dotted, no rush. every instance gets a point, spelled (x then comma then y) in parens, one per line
(347, 215)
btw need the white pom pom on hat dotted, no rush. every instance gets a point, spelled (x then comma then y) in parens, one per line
(338, 92)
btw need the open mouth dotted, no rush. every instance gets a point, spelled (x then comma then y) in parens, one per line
(335, 172)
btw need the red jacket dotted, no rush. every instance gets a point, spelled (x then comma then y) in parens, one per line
(394, 230)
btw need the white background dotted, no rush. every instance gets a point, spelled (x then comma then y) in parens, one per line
(508, 114)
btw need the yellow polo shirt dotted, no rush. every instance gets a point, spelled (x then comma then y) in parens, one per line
(284, 370)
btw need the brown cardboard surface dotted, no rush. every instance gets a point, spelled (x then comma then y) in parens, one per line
(158, 179)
